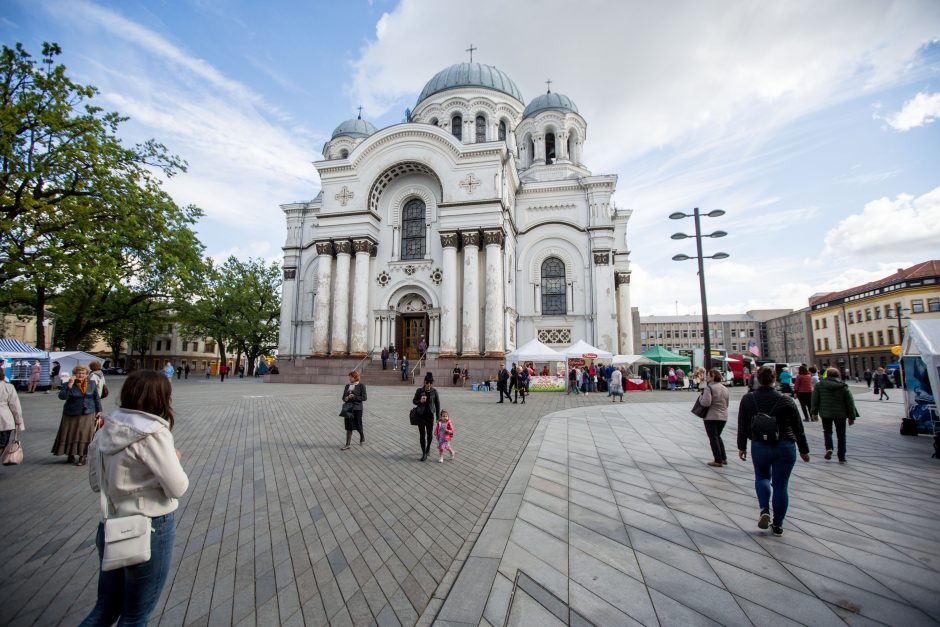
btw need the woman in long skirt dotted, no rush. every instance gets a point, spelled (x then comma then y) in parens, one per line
(79, 416)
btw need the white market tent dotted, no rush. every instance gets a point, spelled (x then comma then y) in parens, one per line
(15, 353)
(69, 359)
(921, 354)
(631, 359)
(534, 351)
(582, 349)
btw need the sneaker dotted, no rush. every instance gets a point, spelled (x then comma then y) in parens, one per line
(841, 461)
(716, 464)
(777, 530)
(440, 461)
(764, 521)
(829, 454)
(344, 448)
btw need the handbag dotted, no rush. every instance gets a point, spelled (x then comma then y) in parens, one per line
(347, 410)
(414, 416)
(104, 391)
(13, 453)
(126, 538)
(697, 408)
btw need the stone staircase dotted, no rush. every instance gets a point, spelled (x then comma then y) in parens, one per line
(335, 371)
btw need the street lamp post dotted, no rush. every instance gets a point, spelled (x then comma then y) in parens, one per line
(678, 215)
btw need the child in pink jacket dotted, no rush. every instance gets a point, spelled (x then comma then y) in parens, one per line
(444, 431)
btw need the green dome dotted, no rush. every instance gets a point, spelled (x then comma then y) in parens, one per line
(550, 100)
(356, 127)
(471, 75)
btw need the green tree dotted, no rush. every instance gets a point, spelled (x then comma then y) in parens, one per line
(75, 202)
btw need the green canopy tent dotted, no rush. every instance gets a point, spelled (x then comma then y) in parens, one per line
(663, 357)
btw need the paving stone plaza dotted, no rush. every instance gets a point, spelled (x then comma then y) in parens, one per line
(565, 510)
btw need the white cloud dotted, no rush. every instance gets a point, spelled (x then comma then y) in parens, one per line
(920, 110)
(904, 223)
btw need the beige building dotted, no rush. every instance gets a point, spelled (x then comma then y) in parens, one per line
(200, 354)
(857, 328)
(24, 330)
(729, 332)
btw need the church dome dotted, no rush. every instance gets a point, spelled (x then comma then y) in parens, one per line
(356, 127)
(559, 102)
(471, 75)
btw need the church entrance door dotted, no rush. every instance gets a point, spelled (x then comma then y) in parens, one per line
(411, 328)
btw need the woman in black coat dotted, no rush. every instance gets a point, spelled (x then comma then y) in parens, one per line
(354, 393)
(428, 404)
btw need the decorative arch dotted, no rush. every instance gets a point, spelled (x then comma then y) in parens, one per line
(404, 195)
(403, 288)
(402, 168)
(535, 264)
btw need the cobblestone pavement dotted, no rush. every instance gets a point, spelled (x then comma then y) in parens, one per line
(609, 516)
(612, 517)
(279, 526)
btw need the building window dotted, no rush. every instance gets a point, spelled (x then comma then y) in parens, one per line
(825, 323)
(456, 126)
(668, 334)
(185, 347)
(917, 306)
(210, 347)
(868, 314)
(195, 347)
(818, 344)
(890, 336)
(877, 313)
(413, 236)
(851, 318)
(158, 344)
(889, 312)
(168, 345)
(549, 147)
(481, 129)
(871, 338)
(852, 341)
(826, 343)
(501, 134)
(553, 287)
(881, 338)
(933, 304)
(861, 340)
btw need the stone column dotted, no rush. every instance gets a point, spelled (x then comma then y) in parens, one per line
(538, 141)
(340, 344)
(285, 346)
(493, 322)
(561, 145)
(624, 313)
(359, 335)
(470, 344)
(449, 313)
(322, 305)
(604, 305)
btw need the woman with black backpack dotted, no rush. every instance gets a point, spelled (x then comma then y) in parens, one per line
(771, 421)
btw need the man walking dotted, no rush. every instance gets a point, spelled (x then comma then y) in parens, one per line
(502, 381)
(833, 401)
(868, 377)
(384, 358)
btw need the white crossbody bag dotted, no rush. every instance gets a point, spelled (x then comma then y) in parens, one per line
(126, 538)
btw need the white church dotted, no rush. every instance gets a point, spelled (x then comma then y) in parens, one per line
(476, 226)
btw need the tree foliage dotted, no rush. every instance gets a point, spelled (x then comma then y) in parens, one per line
(83, 218)
(239, 307)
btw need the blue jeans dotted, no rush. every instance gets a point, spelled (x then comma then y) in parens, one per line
(773, 464)
(131, 593)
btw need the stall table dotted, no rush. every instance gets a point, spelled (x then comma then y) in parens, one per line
(635, 384)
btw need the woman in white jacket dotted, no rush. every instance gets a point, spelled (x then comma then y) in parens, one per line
(141, 475)
(11, 416)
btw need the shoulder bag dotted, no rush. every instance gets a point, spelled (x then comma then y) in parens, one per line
(414, 416)
(698, 409)
(13, 453)
(126, 538)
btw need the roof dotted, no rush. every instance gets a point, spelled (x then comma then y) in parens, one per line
(696, 319)
(15, 346)
(542, 102)
(356, 127)
(662, 356)
(471, 75)
(535, 351)
(923, 270)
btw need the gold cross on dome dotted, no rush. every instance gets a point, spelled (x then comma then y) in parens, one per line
(344, 196)
(470, 183)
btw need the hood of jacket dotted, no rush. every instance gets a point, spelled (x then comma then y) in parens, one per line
(830, 384)
(124, 427)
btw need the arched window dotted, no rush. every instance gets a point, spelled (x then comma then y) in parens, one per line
(413, 229)
(481, 129)
(501, 135)
(456, 126)
(433, 121)
(554, 291)
(343, 153)
(550, 147)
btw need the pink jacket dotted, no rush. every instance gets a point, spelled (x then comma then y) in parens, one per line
(444, 431)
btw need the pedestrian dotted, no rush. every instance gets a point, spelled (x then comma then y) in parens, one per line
(833, 402)
(136, 467)
(715, 398)
(615, 385)
(384, 358)
(422, 348)
(572, 381)
(646, 375)
(502, 382)
(456, 375)
(592, 378)
(179, 373)
(585, 380)
(522, 383)
(881, 382)
(514, 384)
(671, 378)
(95, 374)
(868, 377)
(186, 371)
(897, 376)
(393, 354)
(404, 368)
(223, 370)
(54, 376)
(814, 375)
(168, 369)
(428, 403)
(34, 373)
(11, 414)
(354, 394)
(444, 432)
(80, 415)
(786, 378)
(803, 388)
(772, 423)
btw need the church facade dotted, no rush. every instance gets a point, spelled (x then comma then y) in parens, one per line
(473, 227)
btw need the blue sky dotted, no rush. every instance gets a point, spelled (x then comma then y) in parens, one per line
(812, 124)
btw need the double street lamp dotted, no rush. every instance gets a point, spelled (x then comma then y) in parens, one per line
(678, 215)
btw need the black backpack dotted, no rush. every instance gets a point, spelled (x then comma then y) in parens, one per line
(764, 426)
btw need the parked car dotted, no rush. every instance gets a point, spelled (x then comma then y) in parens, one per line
(114, 371)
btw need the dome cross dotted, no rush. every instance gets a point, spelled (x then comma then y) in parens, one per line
(470, 50)
(549, 84)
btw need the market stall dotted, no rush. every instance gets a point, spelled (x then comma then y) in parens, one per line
(538, 353)
(632, 383)
(17, 360)
(69, 359)
(663, 357)
(920, 359)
